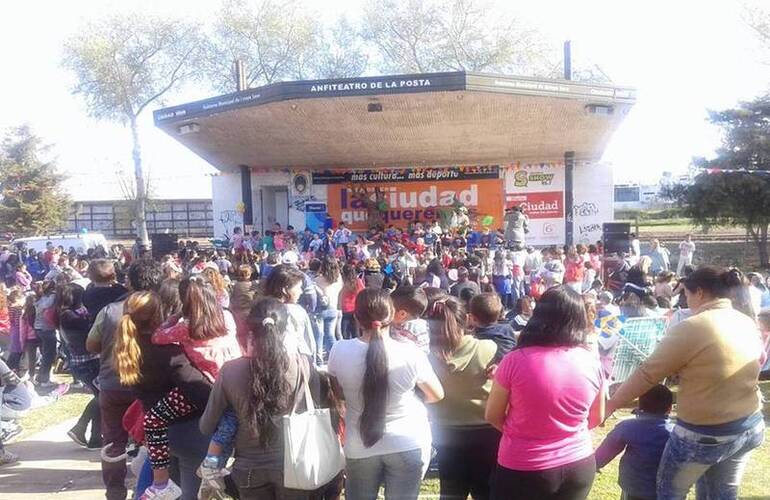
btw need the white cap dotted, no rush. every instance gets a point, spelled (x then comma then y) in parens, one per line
(290, 257)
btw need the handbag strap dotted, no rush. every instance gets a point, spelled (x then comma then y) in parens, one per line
(303, 387)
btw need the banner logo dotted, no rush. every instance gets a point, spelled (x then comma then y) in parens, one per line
(522, 178)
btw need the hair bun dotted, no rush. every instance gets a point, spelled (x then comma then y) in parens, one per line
(732, 278)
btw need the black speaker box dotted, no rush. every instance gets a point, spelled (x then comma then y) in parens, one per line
(163, 244)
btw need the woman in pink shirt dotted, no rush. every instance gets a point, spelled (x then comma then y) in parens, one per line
(546, 395)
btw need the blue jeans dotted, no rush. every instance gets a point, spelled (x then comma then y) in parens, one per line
(325, 330)
(87, 373)
(716, 463)
(401, 473)
(188, 449)
(48, 350)
(224, 435)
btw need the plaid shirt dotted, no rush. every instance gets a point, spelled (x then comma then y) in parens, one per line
(83, 359)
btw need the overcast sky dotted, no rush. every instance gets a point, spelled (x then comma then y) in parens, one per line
(683, 57)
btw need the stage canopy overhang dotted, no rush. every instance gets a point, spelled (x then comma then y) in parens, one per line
(402, 120)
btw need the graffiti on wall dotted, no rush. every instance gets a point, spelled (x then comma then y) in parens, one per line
(230, 219)
(298, 202)
(584, 229)
(585, 209)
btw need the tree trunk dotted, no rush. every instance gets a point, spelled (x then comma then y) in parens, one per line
(762, 244)
(141, 191)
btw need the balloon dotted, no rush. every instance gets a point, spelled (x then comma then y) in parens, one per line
(488, 220)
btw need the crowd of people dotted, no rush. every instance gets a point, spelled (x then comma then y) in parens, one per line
(462, 350)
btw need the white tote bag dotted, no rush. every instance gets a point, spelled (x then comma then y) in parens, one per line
(312, 452)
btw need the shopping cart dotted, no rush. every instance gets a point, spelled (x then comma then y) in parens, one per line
(638, 339)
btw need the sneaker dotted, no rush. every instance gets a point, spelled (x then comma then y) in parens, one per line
(9, 432)
(46, 385)
(6, 457)
(60, 390)
(78, 385)
(78, 436)
(170, 492)
(212, 481)
(94, 444)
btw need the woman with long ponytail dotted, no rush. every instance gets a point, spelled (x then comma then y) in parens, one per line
(258, 389)
(141, 314)
(163, 378)
(387, 438)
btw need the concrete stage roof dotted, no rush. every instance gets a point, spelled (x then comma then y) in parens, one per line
(425, 119)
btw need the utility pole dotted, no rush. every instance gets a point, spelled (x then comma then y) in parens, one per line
(568, 60)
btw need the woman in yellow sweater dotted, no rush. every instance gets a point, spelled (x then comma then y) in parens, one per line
(716, 353)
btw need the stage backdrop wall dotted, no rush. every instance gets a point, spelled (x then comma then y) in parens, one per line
(417, 194)
(539, 189)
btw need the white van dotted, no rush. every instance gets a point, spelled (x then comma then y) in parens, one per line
(81, 242)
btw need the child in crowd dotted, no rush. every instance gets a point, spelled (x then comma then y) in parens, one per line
(15, 310)
(103, 288)
(203, 334)
(30, 343)
(502, 277)
(408, 325)
(605, 303)
(522, 313)
(574, 269)
(643, 438)
(589, 277)
(663, 285)
(485, 311)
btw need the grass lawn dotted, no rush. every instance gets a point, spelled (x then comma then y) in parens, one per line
(68, 406)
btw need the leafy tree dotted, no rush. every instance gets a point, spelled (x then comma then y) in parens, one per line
(757, 17)
(270, 37)
(734, 187)
(451, 35)
(126, 62)
(31, 200)
(340, 53)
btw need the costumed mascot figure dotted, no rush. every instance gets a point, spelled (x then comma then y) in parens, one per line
(516, 226)
(455, 217)
(375, 204)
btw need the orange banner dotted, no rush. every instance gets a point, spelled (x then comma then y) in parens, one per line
(422, 201)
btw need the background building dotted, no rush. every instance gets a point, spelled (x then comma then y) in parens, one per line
(115, 219)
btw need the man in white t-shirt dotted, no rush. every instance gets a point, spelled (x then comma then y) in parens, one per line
(686, 251)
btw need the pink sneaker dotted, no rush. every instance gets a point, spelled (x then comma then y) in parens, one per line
(60, 390)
